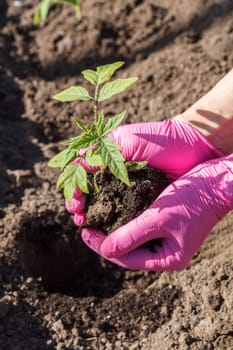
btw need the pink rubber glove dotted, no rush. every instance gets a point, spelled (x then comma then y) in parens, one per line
(172, 146)
(182, 217)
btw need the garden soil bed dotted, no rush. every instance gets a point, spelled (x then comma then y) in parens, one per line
(55, 294)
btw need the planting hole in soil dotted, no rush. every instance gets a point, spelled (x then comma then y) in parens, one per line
(50, 248)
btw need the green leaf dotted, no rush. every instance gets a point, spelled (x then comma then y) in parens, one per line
(113, 159)
(73, 93)
(44, 8)
(42, 11)
(115, 87)
(78, 12)
(36, 17)
(74, 3)
(81, 141)
(99, 124)
(90, 75)
(73, 176)
(96, 187)
(135, 166)
(66, 175)
(63, 158)
(79, 124)
(104, 73)
(70, 155)
(81, 178)
(71, 141)
(113, 122)
(69, 188)
(74, 173)
(93, 158)
(58, 160)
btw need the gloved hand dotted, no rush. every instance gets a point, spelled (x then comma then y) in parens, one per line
(182, 217)
(172, 146)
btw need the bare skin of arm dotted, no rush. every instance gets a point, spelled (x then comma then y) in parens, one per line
(212, 115)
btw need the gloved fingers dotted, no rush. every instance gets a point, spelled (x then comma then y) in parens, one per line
(142, 141)
(88, 168)
(76, 207)
(143, 259)
(80, 219)
(93, 238)
(133, 234)
(77, 204)
(77, 193)
(125, 239)
(140, 258)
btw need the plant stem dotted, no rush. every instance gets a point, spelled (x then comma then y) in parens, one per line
(96, 103)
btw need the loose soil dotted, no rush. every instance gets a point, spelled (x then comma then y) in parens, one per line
(115, 203)
(56, 294)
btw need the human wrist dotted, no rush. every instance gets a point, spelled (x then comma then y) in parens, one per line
(212, 115)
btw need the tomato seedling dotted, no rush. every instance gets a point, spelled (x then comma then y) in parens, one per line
(100, 150)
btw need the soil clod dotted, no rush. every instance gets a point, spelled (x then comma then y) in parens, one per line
(115, 203)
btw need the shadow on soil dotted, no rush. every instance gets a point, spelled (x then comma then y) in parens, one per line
(17, 152)
(50, 249)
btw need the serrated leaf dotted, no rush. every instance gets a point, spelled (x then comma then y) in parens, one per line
(77, 178)
(65, 175)
(70, 155)
(69, 188)
(90, 75)
(81, 178)
(113, 159)
(71, 141)
(135, 166)
(73, 93)
(99, 124)
(115, 87)
(58, 160)
(104, 73)
(81, 141)
(113, 122)
(73, 174)
(79, 124)
(93, 158)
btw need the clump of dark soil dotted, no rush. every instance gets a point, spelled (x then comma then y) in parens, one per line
(50, 249)
(115, 203)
